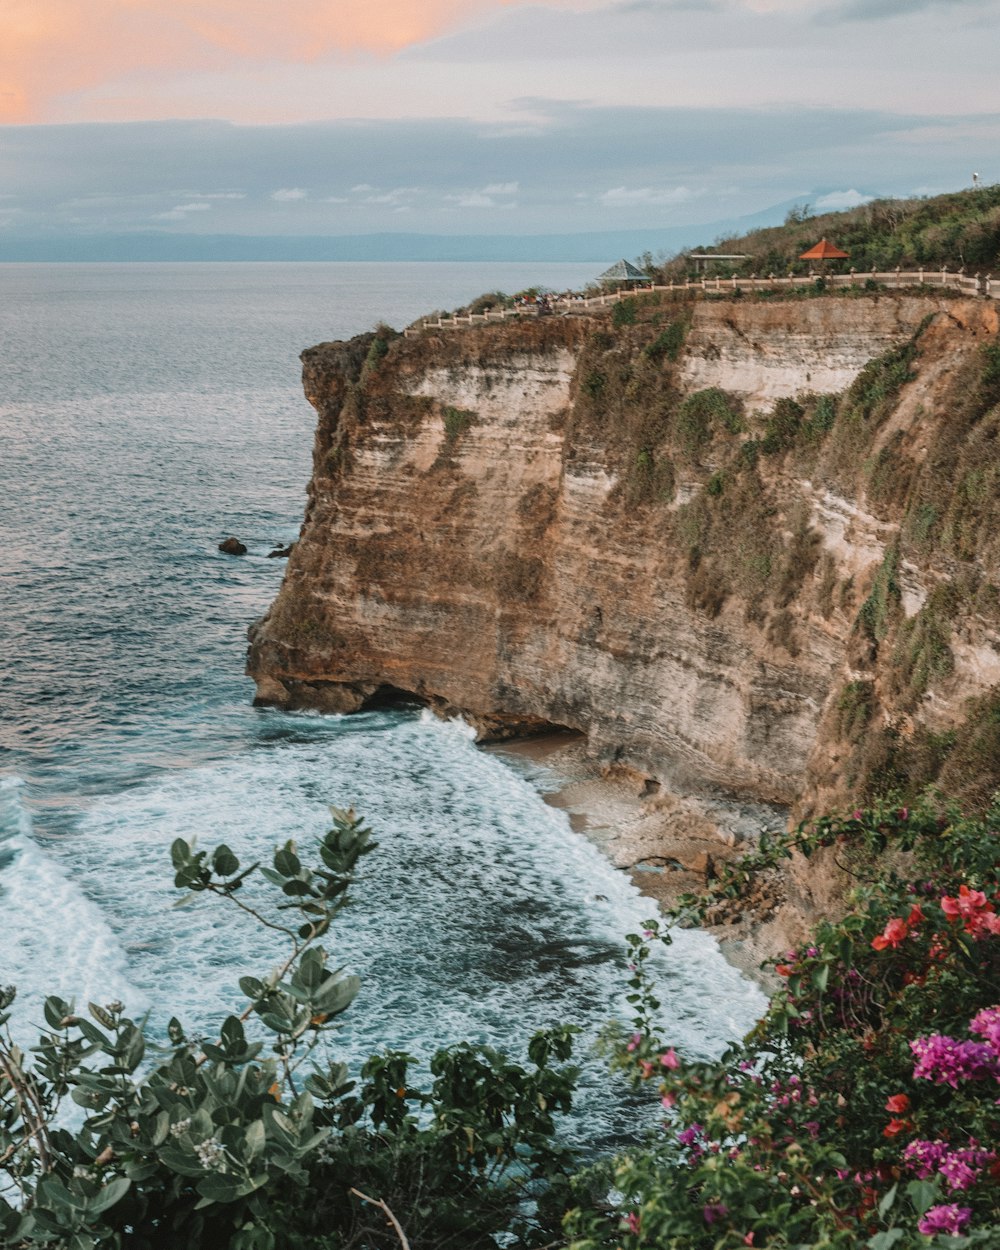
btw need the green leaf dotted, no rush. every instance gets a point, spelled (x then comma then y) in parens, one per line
(337, 996)
(286, 861)
(56, 1012)
(887, 1200)
(224, 862)
(922, 1194)
(109, 1195)
(255, 1138)
(885, 1240)
(219, 1187)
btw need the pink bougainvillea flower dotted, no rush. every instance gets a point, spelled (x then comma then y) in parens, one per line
(669, 1059)
(946, 1061)
(713, 1211)
(987, 1024)
(945, 1218)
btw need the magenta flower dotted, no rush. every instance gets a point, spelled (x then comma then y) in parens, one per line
(946, 1061)
(713, 1211)
(946, 1218)
(987, 1024)
(923, 1157)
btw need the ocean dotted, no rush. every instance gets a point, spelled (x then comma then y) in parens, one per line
(146, 413)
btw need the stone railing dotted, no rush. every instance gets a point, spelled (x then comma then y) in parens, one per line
(976, 284)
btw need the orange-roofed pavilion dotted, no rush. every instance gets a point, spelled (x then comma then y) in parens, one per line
(824, 250)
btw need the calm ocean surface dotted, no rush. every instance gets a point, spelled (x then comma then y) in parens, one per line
(146, 412)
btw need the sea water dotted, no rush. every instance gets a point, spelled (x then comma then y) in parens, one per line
(147, 412)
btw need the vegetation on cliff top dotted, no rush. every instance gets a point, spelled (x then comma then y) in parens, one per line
(961, 229)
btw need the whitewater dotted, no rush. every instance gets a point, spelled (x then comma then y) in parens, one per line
(147, 412)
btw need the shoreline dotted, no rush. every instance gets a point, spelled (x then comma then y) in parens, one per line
(669, 842)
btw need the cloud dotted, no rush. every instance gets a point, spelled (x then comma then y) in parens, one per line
(836, 200)
(56, 47)
(632, 197)
(181, 211)
(285, 195)
(485, 197)
(883, 10)
(577, 168)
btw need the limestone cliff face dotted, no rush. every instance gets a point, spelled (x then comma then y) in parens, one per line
(746, 542)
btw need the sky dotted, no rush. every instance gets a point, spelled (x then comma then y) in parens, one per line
(342, 117)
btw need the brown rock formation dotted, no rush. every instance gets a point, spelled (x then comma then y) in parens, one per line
(749, 542)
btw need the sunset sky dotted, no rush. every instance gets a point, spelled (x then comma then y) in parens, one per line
(482, 116)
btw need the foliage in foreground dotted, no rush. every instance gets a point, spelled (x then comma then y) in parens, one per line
(862, 1111)
(231, 1144)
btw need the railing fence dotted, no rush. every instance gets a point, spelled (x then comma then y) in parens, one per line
(975, 284)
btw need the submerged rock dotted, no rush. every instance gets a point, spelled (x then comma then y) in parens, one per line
(232, 547)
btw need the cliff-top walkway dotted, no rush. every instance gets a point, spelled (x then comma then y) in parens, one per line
(568, 305)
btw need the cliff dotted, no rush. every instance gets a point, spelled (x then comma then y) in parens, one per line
(751, 543)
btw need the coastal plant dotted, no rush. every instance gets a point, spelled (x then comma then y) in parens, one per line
(862, 1110)
(255, 1137)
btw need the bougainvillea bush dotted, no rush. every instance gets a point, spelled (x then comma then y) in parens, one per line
(863, 1109)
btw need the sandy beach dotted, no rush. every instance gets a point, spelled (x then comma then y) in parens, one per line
(670, 843)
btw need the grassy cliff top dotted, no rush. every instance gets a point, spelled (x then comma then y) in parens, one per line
(958, 229)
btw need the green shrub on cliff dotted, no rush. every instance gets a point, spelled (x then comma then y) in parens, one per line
(957, 229)
(257, 1139)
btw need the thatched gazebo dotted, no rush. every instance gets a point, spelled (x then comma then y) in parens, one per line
(824, 250)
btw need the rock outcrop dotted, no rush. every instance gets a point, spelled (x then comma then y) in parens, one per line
(751, 542)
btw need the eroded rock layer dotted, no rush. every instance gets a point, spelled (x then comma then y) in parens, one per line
(751, 542)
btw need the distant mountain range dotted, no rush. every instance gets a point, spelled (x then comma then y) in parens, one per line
(599, 247)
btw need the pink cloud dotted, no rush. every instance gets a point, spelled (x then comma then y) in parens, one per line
(52, 48)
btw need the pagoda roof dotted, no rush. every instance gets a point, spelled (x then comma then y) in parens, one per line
(824, 250)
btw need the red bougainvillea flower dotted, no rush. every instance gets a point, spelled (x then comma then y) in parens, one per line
(898, 1103)
(965, 904)
(895, 931)
(973, 909)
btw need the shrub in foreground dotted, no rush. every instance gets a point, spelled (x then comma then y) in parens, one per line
(863, 1109)
(242, 1143)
